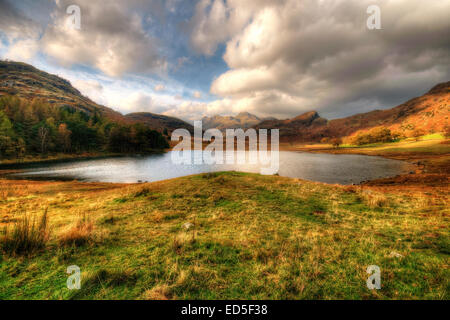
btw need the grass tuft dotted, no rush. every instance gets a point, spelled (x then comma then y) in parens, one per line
(159, 292)
(375, 199)
(78, 235)
(28, 235)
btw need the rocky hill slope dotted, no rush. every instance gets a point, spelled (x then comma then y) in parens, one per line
(428, 113)
(28, 82)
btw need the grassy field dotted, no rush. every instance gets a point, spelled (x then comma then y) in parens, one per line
(252, 237)
(434, 144)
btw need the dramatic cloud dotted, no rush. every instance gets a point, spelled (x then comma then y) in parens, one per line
(21, 33)
(16, 25)
(272, 58)
(215, 21)
(111, 38)
(292, 56)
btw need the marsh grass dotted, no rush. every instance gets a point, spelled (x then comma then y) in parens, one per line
(28, 235)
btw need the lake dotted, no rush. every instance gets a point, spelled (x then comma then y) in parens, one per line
(329, 168)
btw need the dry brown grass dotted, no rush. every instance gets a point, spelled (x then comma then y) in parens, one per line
(255, 237)
(181, 239)
(79, 234)
(8, 191)
(159, 292)
(374, 199)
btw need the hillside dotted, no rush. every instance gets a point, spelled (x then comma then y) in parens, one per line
(159, 122)
(428, 113)
(242, 120)
(295, 128)
(43, 115)
(26, 81)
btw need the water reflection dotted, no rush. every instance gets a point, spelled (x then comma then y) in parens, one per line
(329, 168)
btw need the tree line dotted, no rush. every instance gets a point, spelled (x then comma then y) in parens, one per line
(38, 128)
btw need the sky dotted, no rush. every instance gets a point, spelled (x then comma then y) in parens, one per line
(278, 58)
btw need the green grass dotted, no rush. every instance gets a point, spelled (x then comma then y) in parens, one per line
(433, 136)
(430, 144)
(254, 237)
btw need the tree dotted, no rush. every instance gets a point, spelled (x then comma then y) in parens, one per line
(36, 126)
(29, 122)
(375, 135)
(381, 134)
(336, 142)
(6, 127)
(10, 145)
(64, 137)
(325, 140)
(447, 131)
(43, 138)
(417, 133)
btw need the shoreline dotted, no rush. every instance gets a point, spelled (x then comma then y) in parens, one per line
(11, 165)
(7, 175)
(430, 168)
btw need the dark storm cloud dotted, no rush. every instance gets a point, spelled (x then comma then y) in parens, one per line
(293, 56)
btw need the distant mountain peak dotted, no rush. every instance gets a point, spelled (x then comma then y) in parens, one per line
(307, 117)
(428, 113)
(241, 120)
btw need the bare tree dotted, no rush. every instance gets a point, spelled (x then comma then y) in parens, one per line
(43, 134)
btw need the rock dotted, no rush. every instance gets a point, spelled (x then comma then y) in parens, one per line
(394, 254)
(187, 226)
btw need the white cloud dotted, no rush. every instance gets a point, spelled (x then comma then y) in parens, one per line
(91, 89)
(290, 56)
(23, 50)
(215, 21)
(197, 94)
(22, 33)
(111, 39)
(284, 57)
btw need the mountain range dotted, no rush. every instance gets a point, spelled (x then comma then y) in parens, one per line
(428, 112)
(243, 120)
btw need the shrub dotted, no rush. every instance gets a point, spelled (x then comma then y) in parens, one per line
(447, 131)
(417, 133)
(336, 142)
(325, 140)
(29, 235)
(375, 135)
(142, 193)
